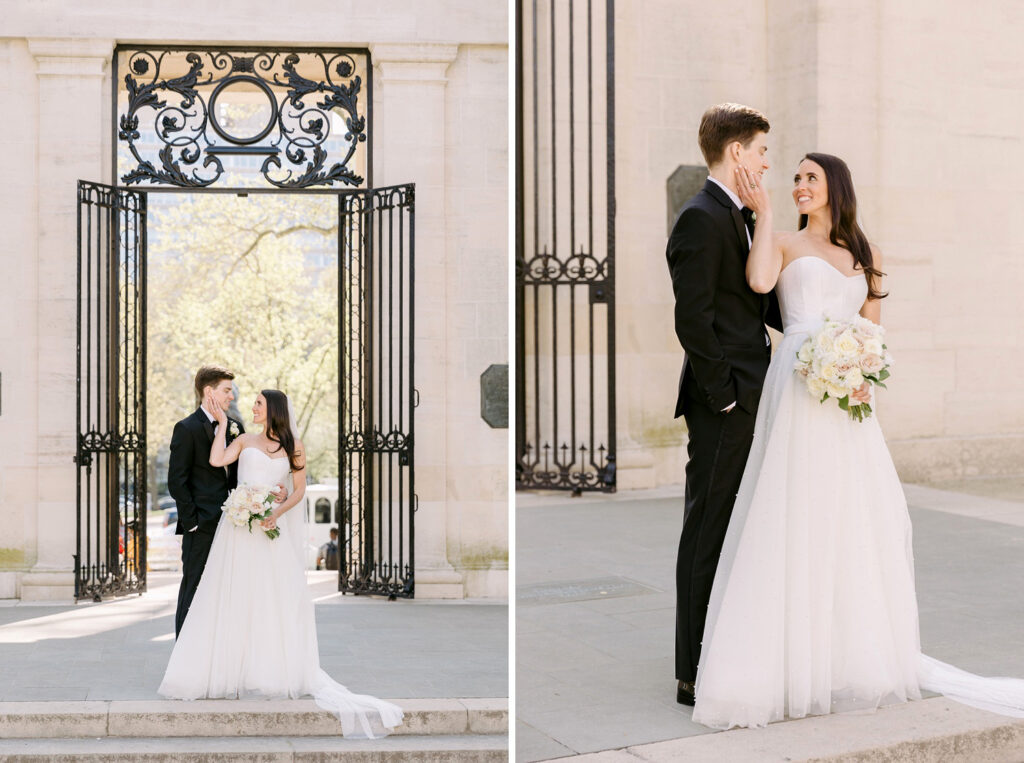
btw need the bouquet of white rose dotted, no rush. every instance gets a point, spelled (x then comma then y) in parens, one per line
(840, 358)
(247, 503)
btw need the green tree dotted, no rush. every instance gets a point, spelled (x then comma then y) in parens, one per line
(250, 283)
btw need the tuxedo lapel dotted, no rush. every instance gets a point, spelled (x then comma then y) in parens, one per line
(715, 191)
(204, 423)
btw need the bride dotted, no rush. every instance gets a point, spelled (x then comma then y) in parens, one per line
(813, 608)
(250, 630)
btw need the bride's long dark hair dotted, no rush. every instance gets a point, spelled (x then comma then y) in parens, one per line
(278, 427)
(845, 232)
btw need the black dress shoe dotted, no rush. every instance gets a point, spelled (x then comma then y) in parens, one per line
(684, 694)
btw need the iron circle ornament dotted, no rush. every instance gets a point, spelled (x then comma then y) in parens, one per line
(219, 128)
(317, 133)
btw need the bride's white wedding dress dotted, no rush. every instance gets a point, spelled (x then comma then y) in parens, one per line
(813, 608)
(250, 631)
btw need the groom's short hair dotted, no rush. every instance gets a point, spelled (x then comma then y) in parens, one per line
(210, 376)
(725, 123)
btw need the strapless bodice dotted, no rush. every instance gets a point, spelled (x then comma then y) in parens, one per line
(810, 288)
(257, 468)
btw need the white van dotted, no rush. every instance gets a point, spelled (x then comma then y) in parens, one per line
(323, 511)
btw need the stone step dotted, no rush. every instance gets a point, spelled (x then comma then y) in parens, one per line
(936, 730)
(272, 749)
(236, 718)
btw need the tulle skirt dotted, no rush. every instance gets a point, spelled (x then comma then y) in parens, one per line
(250, 632)
(813, 609)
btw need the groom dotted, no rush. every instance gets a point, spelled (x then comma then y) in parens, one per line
(199, 489)
(720, 323)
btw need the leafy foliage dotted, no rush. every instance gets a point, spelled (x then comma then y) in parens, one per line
(249, 283)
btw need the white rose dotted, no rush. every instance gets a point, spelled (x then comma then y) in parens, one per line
(846, 344)
(816, 387)
(805, 353)
(854, 378)
(873, 346)
(824, 343)
(829, 371)
(836, 390)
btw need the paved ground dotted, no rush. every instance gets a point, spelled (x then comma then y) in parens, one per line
(595, 609)
(119, 649)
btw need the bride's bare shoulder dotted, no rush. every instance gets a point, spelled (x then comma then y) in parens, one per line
(876, 255)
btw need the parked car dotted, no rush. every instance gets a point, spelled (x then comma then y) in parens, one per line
(167, 505)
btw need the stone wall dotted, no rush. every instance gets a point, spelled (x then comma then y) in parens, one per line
(924, 103)
(440, 120)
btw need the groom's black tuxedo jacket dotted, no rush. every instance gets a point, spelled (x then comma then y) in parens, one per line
(198, 489)
(719, 319)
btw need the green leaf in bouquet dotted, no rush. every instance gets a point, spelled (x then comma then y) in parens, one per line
(880, 384)
(883, 374)
(844, 402)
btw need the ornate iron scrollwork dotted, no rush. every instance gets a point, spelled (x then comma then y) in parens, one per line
(294, 139)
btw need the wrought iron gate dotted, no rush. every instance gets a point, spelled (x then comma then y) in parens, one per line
(110, 558)
(565, 245)
(376, 232)
(176, 129)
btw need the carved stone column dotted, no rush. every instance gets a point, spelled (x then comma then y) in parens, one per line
(74, 107)
(409, 146)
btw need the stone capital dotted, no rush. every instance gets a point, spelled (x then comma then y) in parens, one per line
(415, 62)
(69, 57)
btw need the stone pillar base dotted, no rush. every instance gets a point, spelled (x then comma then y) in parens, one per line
(9, 585)
(635, 470)
(56, 586)
(439, 584)
(486, 584)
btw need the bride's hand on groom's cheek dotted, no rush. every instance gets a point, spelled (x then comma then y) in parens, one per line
(751, 190)
(215, 410)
